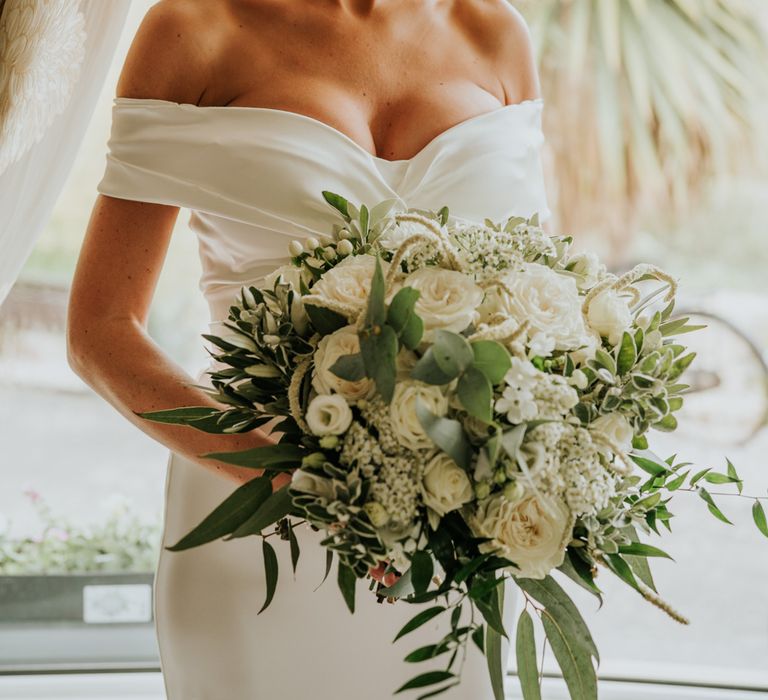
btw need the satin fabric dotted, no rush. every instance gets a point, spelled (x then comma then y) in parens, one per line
(252, 178)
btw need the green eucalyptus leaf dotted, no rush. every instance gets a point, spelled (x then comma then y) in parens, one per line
(276, 506)
(642, 550)
(452, 352)
(425, 679)
(428, 371)
(627, 354)
(324, 320)
(576, 666)
(475, 393)
(447, 434)
(377, 310)
(349, 367)
(379, 352)
(492, 359)
(270, 572)
(294, 545)
(228, 515)
(525, 649)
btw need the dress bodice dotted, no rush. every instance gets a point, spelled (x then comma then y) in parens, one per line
(252, 177)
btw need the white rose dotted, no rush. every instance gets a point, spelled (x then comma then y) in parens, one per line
(590, 343)
(616, 427)
(587, 268)
(349, 283)
(447, 299)
(609, 315)
(402, 412)
(328, 414)
(549, 301)
(445, 486)
(344, 341)
(530, 532)
(307, 482)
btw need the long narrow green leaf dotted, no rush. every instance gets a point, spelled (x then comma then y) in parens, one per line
(276, 506)
(347, 581)
(493, 648)
(270, 572)
(758, 515)
(419, 619)
(525, 649)
(576, 665)
(228, 515)
(262, 457)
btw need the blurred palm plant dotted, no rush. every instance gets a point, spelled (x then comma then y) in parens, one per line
(646, 101)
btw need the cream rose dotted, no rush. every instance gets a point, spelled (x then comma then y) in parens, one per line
(394, 236)
(445, 486)
(530, 532)
(328, 414)
(609, 315)
(616, 428)
(447, 299)
(344, 341)
(549, 301)
(402, 412)
(349, 282)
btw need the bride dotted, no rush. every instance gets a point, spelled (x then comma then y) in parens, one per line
(243, 111)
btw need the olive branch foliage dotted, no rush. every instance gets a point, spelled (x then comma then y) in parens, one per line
(450, 578)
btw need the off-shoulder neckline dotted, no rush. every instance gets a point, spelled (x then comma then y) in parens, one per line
(157, 102)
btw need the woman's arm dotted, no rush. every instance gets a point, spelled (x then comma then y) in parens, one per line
(125, 245)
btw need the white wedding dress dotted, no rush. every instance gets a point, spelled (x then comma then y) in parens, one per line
(252, 178)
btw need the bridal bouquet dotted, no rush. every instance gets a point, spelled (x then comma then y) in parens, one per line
(459, 403)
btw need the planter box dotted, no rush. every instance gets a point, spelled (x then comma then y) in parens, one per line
(85, 598)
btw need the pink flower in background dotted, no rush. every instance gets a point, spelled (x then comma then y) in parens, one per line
(33, 495)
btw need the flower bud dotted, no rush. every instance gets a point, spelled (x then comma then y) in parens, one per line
(295, 248)
(482, 490)
(329, 254)
(578, 379)
(316, 459)
(311, 244)
(513, 491)
(329, 442)
(377, 514)
(344, 247)
(500, 476)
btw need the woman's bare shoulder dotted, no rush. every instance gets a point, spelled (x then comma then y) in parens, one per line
(173, 52)
(501, 35)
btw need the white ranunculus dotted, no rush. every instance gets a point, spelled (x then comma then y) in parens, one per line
(549, 301)
(306, 482)
(344, 341)
(447, 299)
(609, 315)
(328, 414)
(402, 412)
(349, 283)
(588, 269)
(616, 427)
(445, 486)
(530, 532)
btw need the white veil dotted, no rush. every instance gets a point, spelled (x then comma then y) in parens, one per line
(31, 183)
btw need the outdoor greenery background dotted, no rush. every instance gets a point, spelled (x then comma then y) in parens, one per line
(717, 246)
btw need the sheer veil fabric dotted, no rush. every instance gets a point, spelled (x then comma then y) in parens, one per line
(252, 179)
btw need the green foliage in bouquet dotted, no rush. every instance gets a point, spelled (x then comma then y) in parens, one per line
(461, 404)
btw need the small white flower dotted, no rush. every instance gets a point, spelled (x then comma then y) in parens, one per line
(578, 379)
(344, 247)
(328, 414)
(541, 344)
(445, 487)
(609, 315)
(311, 244)
(295, 248)
(402, 412)
(447, 299)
